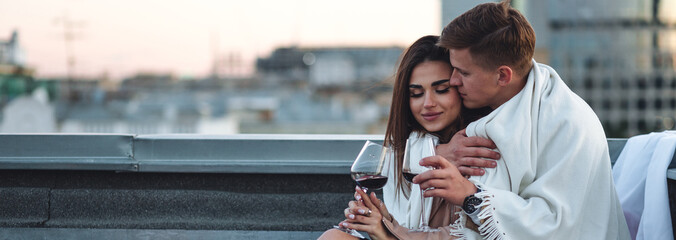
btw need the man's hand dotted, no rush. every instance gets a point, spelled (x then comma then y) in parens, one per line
(466, 153)
(446, 180)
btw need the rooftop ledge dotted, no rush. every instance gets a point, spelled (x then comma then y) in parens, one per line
(242, 153)
(255, 153)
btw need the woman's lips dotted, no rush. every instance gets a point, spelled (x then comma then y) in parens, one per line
(430, 116)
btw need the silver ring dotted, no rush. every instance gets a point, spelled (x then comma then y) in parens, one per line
(368, 214)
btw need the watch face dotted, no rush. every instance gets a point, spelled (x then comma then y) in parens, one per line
(469, 209)
(470, 204)
(474, 201)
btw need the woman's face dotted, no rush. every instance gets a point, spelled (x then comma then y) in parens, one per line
(434, 103)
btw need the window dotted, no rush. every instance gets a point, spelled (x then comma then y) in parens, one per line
(588, 83)
(659, 81)
(641, 104)
(658, 104)
(641, 83)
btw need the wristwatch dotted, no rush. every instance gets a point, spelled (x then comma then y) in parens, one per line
(469, 205)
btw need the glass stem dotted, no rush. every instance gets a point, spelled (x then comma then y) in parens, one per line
(422, 203)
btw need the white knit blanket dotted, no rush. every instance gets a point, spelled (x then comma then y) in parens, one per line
(554, 179)
(640, 174)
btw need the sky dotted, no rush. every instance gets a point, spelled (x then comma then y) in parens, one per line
(123, 37)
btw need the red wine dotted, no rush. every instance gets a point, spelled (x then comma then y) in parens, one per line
(409, 176)
(372, 182)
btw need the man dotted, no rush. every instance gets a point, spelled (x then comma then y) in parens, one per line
(554, 178)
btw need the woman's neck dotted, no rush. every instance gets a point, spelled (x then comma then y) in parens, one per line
(446, 134)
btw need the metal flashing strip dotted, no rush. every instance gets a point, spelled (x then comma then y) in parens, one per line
(67, 152)
(242, 153)
(255, 153)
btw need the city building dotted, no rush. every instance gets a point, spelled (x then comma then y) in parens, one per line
(11, 52)
(25, 103)
(619, 57)
(328, 67)
(144, 104)
(328, 89)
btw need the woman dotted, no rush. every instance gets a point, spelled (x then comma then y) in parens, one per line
(424, 105)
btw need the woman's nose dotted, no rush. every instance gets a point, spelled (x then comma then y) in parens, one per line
(430, 101)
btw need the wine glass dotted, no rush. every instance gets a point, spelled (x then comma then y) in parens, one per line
(367, 171)
(411, 168)
(367, 168)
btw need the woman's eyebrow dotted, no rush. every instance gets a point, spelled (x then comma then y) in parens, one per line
(415, 86)
(439, 82)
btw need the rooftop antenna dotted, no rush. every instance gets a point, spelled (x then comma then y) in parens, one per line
(215, 51)
(69, 27)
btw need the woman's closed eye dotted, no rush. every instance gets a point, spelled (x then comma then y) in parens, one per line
(443, 89)
(416, 94)
(416, 90)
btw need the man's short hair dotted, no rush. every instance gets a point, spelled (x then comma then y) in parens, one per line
(496, 34)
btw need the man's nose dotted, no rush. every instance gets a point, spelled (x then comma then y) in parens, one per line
(455, 79)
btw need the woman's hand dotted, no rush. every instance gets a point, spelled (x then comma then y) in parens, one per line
(467, 153)
(445, 179)
(366, 215)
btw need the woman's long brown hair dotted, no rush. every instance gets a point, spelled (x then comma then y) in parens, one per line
(401, 121)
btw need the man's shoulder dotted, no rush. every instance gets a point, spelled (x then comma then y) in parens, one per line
(566, 108)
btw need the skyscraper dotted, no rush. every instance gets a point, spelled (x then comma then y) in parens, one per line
(619, 57)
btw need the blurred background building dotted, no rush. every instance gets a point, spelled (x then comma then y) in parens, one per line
(10, 50)
(618, 56)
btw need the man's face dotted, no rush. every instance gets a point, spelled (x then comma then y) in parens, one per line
(477, 87)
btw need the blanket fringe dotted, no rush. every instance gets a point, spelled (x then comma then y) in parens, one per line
(456, 229)
(489, 226)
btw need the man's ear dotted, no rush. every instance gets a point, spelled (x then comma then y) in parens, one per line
(505, 75)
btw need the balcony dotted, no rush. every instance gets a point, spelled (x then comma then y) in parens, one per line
(179, 186)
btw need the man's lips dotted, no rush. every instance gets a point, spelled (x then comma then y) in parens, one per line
(462, 94)
(430, 116)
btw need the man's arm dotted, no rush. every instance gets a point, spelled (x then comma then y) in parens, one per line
(445, 181)
(469, 154)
